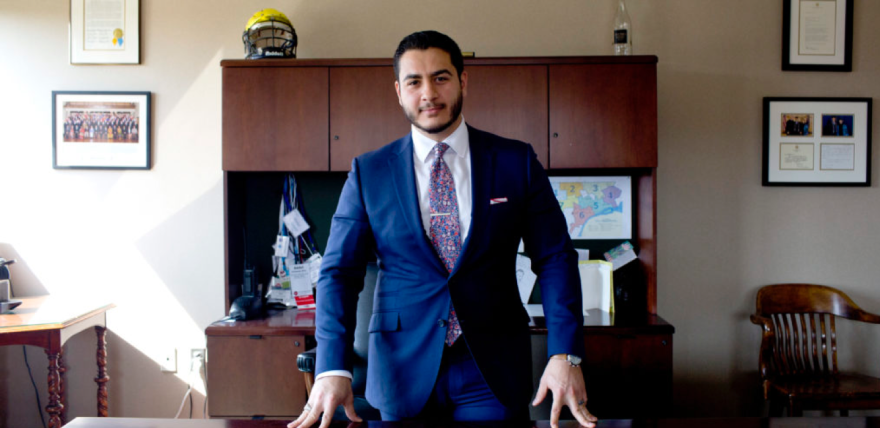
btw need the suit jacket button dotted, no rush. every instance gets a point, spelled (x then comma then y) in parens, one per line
(441, 322)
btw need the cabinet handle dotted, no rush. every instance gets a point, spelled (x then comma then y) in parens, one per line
(664, 343)
(296, 343)
(255, 336)
(555, 135)
(335, 137)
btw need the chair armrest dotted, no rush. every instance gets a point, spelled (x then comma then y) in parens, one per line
(305, 361)
(766, 353)
(762, 321)
(869, 317)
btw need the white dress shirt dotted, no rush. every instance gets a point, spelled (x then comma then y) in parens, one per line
(458, 158)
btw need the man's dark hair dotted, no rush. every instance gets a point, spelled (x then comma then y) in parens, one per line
(422, 40)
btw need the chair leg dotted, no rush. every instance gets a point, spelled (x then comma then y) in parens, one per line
(310, 380)
(775, 408)
(794, 410)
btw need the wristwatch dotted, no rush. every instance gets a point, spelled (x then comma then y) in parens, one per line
(574, 360)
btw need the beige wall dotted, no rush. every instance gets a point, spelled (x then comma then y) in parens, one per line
(153, 240)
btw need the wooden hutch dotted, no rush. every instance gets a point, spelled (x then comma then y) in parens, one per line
(583, 116)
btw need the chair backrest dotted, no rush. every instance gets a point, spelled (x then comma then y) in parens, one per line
(361, 330)
(802, 327)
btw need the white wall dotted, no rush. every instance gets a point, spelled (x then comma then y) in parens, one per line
(152, 240)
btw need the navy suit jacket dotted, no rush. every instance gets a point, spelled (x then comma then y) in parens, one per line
(378, 216)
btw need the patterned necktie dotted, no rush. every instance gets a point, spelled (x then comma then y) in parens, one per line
(445, 226)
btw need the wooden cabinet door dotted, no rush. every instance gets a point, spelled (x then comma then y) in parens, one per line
(603, 116)
(510, 101)
(255, 376)
(275, 119)
(629, 376)
(364, 113)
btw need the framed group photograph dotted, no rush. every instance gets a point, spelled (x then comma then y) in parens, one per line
(817, 142)
(101, 130)
(817, 35)
(105, 32)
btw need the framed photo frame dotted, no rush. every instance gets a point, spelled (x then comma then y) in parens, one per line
(104, 32)
(817, 35)
(101, 130)
(817, 142)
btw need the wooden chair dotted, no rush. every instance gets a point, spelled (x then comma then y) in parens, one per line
(798, 322)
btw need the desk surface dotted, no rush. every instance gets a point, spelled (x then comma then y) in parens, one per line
(296, 322)
(50, 313)
(850, 422)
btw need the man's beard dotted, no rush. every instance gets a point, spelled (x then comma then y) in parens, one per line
(456, 112)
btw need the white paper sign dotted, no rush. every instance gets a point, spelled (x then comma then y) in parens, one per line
(301, 286)
(296, 223)
(583, 254)
(525, 278)
(314, 263)
(282, 243)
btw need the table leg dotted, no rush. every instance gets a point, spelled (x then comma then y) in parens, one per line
(102, 378)
(55, 406)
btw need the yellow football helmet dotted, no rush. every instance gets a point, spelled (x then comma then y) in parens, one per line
(269, 34)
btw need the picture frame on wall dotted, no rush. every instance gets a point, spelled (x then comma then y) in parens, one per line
(817, 35)
(817, 142)
(104, 32)
(101, 130)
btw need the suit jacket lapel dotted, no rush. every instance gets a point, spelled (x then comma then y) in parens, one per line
(403, 176)
(482, 170)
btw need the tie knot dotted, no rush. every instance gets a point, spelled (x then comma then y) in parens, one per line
(440, 149)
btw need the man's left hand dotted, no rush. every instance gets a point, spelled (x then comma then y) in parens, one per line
(567, 384)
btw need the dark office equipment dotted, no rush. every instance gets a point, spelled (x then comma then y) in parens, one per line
(306, 360)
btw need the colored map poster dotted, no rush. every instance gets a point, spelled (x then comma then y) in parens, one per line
(595, 207)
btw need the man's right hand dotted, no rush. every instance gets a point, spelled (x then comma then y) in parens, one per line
(327, 394)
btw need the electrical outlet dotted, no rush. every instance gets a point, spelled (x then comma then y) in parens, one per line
(197, 354)
(169, 361)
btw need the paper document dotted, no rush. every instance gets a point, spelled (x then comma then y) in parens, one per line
(535, 310)
(597, 285)
(301, 287)
(621, 255)
(525, 278)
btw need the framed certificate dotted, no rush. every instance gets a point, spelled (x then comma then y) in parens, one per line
(817, 35)
(105, 32)
(817, 142)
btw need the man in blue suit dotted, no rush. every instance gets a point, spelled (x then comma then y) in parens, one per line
(443, 211)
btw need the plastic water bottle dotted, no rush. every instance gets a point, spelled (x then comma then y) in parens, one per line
(622, 31)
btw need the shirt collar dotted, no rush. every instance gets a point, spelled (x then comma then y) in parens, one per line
(458, 142)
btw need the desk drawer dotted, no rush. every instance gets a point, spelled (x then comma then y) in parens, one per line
(629, 376)
(255, 376)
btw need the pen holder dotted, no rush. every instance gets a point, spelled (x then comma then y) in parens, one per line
(6, 304)
(4, 290)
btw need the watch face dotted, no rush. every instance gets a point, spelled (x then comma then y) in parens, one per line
(574, 359)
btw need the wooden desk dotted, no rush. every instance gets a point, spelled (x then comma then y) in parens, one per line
(48, 322)
(869, 422)
(628, 363)
(251, 370)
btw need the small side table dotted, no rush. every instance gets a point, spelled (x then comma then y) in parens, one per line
(48, 322)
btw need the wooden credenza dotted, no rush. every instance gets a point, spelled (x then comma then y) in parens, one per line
(583, 116)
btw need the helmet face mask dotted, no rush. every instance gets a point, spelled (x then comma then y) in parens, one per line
(269, 34)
